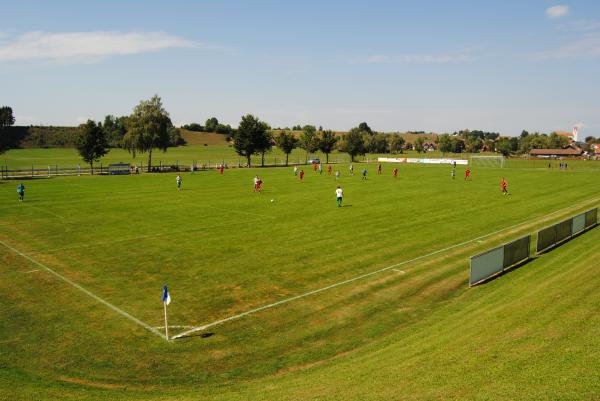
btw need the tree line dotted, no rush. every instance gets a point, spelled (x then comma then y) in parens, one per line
(211, 125)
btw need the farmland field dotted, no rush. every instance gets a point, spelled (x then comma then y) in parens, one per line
(84, 260)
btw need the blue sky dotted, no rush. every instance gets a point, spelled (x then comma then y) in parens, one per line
(403, 65)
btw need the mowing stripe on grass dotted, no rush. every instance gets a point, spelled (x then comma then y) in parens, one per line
(85, 291)
(362, 276)
(139, 237)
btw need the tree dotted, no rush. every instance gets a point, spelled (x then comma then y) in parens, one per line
(115, 129)
(6, 120)
(211, 124)
(193, 127)
(457, 145)
(353, 143)
(250, 136)
(287, 142)
(444, 143)
(309, 141)
(556, 141)
(473, 144)
(365, 127)
(148, 128)
(378, 143)
(504, 147)
(265, 144)
(418, 144)
(91, 143)
(327, 143)
(223, 129)
(397, 143)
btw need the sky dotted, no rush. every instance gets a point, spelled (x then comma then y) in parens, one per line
(422, 65)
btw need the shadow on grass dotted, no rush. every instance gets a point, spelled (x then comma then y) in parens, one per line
(201, 335)
(506, 271)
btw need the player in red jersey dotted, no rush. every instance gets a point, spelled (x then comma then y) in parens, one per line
(503, 185)
(301, 174)
(467, 173)
(396, 172)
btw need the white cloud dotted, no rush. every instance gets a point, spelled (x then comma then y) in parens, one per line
(587, 46)
(557, 11)
(74, 47)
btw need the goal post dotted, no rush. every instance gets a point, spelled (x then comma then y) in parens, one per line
(488, 161)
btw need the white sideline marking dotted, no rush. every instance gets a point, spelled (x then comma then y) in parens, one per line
(85, 291)
(306, 294)
(173, 327)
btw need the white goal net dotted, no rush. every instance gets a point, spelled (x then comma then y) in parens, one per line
(487, 161)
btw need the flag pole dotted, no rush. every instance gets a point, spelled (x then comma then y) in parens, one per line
(166, 324)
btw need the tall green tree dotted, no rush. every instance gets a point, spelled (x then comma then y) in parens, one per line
(115, 129)
(418, 144)
(148, 128)
(365, 128)
(6, 120)
(211, 124)
(556, 141)
(396, 143)
(353, 143)
(377, 143)
(503, 146)
(92, 143)
(444, 143)
(309, 141)
(287, 142)
(327, 143)
(250, 137)
(265, 144)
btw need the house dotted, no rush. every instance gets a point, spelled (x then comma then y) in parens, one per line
(570, 151)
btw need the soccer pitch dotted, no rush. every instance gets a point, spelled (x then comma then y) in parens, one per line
(330, 279)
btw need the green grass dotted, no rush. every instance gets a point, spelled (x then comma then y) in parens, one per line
(216, 152)
(224, 250)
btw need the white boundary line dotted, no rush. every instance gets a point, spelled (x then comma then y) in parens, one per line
(306, 294)
(87, 292)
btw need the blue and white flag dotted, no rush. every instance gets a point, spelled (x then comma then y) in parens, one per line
(166, 297)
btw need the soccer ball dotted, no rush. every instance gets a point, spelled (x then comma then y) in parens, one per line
(272, 200)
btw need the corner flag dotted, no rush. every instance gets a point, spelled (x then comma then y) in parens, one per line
(166, 298)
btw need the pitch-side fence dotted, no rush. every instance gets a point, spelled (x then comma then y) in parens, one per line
(495, 261)
(161, 167)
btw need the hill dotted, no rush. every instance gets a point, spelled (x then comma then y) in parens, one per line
(203, 138)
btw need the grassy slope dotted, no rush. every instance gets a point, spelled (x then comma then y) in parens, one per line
(221, 257)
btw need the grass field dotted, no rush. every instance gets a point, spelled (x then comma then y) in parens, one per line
(217, 152)
(411, 331)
